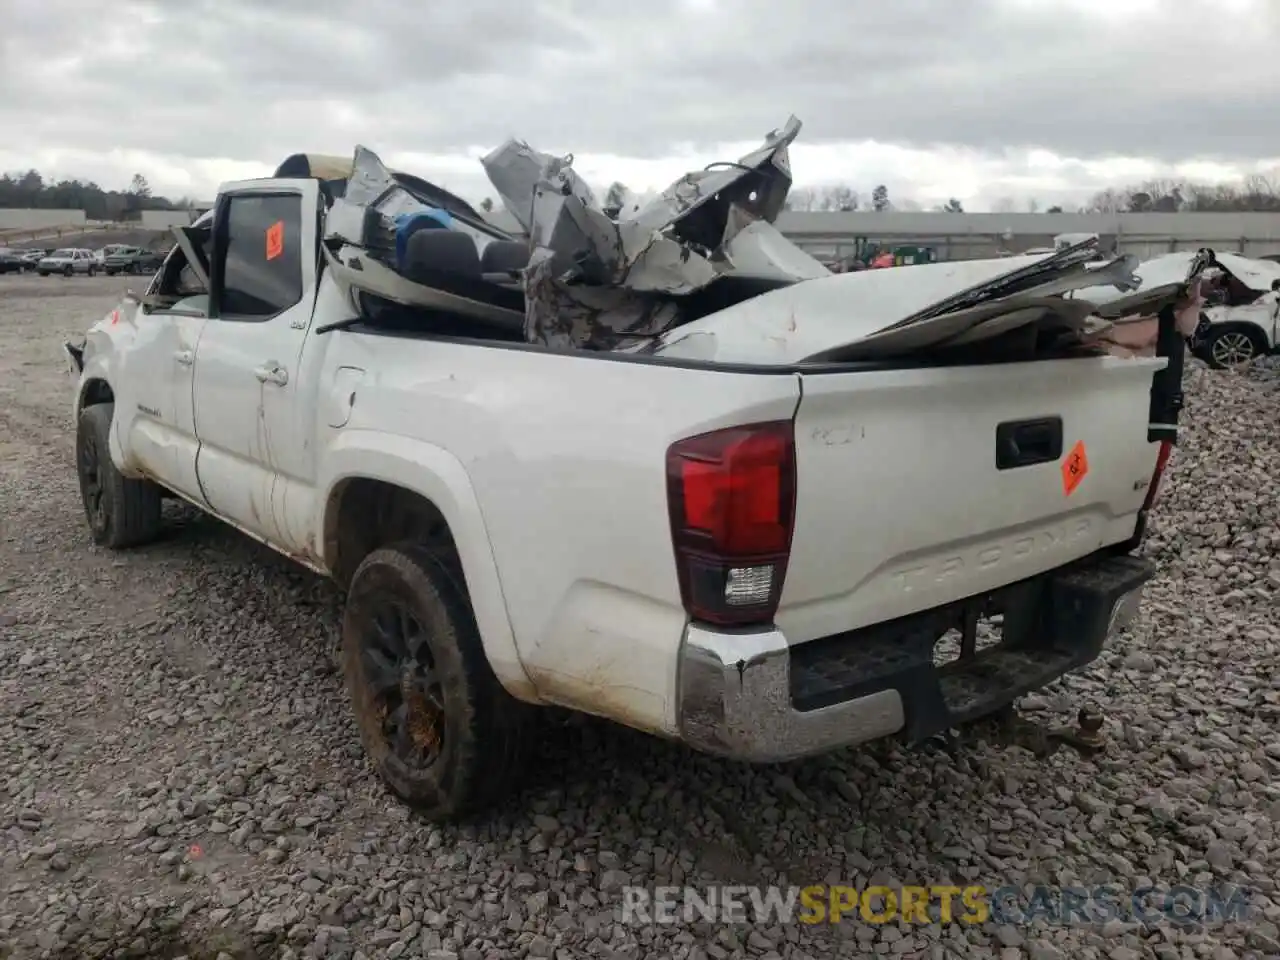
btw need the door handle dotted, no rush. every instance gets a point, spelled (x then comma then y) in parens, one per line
(185, 357)
(272, 372)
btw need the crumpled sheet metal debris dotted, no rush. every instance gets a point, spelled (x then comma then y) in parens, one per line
(371, 186)
(1171, 268)
(1163, 278)
(1047, 294)
(597, 278)
(579, 315)
(1136, 325)
(621, 202)
(727, 199)
(515, 169)
(615, 282)
(878, 315)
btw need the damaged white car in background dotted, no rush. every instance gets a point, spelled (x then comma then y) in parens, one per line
(1240, 317)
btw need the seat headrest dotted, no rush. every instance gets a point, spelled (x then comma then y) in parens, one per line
(434, 253)
(505, 256)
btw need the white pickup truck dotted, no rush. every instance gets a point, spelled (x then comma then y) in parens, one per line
(735, 538)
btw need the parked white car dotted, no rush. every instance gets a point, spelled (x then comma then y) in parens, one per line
(737, 537)
(68, 261)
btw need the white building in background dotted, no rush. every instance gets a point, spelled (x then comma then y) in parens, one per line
(164, 219)
(29, 219)
(969, 236)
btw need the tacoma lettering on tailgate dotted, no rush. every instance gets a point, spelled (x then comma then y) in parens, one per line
(988, 556)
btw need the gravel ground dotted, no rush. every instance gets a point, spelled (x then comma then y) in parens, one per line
(179, 774)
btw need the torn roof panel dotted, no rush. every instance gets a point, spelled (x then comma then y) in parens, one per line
(881, 313)
(789, 324)
(1171, 268)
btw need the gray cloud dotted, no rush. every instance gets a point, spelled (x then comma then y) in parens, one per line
(258, 79)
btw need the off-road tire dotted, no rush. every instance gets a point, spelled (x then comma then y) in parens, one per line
(121, 512)
(485, 728)
(1239, 332)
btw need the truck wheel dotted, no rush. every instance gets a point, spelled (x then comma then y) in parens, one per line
(441, 731)
(1231, 344)
(122, 512)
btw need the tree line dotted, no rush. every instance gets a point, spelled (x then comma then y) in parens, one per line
(31, 190)
(1255, 194)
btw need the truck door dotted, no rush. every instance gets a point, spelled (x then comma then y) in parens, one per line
(264, 268)
(154, 414)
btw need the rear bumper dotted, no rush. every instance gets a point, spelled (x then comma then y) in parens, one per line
(751, 696)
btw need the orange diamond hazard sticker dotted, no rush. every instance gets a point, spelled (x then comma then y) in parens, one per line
(275, 240)
(1074, 469)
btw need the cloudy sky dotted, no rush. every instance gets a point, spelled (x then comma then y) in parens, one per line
(977, 99)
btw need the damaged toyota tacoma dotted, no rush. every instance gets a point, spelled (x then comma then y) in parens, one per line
(650, 461)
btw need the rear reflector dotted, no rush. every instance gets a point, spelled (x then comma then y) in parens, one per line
(1158, 475)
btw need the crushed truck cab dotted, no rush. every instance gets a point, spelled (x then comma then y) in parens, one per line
(748, 531)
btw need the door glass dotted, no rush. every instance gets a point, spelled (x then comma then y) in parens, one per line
(262, 256)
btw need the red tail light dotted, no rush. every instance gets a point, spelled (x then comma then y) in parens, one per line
(731, 495)
(1157, 476)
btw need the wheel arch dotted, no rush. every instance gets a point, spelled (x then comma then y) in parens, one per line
(381, 488)
(1255, 331)
(93, 391)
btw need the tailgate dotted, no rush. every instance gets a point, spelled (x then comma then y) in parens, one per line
(915, 488)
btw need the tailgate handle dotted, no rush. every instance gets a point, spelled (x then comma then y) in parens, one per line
(1023, 443)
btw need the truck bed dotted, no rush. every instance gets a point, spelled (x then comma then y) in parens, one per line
(900, 504)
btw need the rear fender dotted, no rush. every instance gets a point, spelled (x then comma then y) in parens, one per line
(438, 476)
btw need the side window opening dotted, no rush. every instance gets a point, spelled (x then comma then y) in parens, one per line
(260, 254)
(176, 278)
(176, 286)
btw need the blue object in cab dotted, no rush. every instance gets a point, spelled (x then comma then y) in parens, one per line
(407, 224)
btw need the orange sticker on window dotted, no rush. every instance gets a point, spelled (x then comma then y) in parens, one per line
(275, 240)
(1074, 469)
